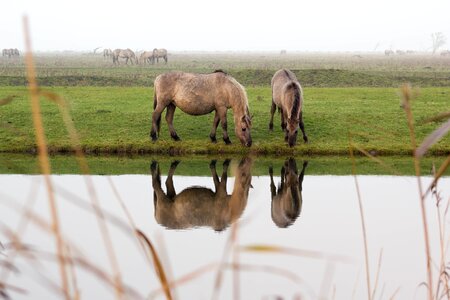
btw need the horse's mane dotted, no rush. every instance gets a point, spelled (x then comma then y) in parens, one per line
(296, 105)
(220, 71)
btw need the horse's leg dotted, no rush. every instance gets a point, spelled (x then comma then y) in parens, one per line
(302, 174)
(283, 120)
(302, 127)
(223, 180)
(273, 189)
(272, 112)
(156, 118)
(212, 167)
(169, 118)
(212, 135)
(169, 181)
(223, 119)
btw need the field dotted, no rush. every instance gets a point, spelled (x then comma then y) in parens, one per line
(345, 95)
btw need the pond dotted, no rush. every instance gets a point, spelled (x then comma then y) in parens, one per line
(241, 228)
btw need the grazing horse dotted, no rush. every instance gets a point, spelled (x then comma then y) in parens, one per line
(128, 54)
(146, 57)
(287, 95)
(10, 52)
(287, 201)
(159, 53)
(200, 206)
(5, 52)
(200, 94)
(107, 53)
(388, 52)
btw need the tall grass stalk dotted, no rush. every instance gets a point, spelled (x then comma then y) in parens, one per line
(43, 156)
(406, 102)
(363, 223)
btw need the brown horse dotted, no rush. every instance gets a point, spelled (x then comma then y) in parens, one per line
(287, 201)
(199, 206)
(287, 95)
(127, 54)
(200, 94)
(159, 53)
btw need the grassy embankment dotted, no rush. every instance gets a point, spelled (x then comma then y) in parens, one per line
(344, 94)
(117, 120)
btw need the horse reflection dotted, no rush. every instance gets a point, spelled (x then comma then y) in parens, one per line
(287, 201)
(199, 206)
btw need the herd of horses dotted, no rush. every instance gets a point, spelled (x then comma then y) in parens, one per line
(198, 206)
(10, 53)
(146, 57)
(200, 94)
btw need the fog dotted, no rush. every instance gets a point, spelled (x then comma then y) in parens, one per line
(201, 25)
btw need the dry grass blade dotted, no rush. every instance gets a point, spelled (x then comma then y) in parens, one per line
(185, 278)
(438, 117)
(380, 258)
(406, 99)
(433, 138)
(6, 286)
(377, 160)
(158, 266)
(296, 252)
(363, 223)
(7, 100)
(43, 155)
(395, 294)
(438, 175)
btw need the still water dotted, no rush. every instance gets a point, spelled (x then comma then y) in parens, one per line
(314, 219)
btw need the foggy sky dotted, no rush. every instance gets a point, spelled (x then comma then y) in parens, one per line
(314, 25)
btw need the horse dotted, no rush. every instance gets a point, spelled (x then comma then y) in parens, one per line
(15, 52)
(159, 53)
(287, 201)
(146, 57)
(200, 94)
(287, 95)
(6, 52)
(128, 54)
(107, 53)
(200, 206)
(388, 52)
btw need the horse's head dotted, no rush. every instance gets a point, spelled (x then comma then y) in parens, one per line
(292, 131)
(242, 129)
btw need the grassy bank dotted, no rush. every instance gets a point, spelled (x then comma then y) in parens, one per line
(198, 165)
(117, 120)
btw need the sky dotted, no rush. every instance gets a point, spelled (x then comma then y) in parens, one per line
(231, 25)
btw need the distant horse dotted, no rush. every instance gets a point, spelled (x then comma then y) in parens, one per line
(200, 94)
(10, 52)
(287, 95)
(200, 206)
(16, 52)
(287, 201)
(388, 52)
(6, 52)
(107, 53)
(146, 57)
(400, 52)
(127, 54)
(159, 53)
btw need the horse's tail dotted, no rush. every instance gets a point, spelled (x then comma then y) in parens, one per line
(155, 102)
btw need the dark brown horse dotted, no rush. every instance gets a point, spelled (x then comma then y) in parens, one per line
(287, 201)
(200, 206)
(200, 94)
(287, 95)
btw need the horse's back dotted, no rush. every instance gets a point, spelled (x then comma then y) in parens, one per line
(280, 80)
(195, 94)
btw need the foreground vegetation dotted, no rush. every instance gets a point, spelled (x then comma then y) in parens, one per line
(117, 120)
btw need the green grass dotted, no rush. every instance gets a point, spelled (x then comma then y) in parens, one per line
(198, 165)
(117, 120)
(250, 69)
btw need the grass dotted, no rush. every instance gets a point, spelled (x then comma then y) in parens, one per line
(251, 69)
(117, 120)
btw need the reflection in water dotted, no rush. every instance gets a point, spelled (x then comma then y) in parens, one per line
(200, 206)
(287, 201)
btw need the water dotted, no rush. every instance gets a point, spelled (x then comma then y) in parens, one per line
(190, 225)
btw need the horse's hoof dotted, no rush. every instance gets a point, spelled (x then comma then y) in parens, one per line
(213, 139)
(175, 138)
(271, 171)
(271, 127)
(212, 164)
(227, 141)
(153, 166)
(153, 136)
(226, 163)
(305, 138)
